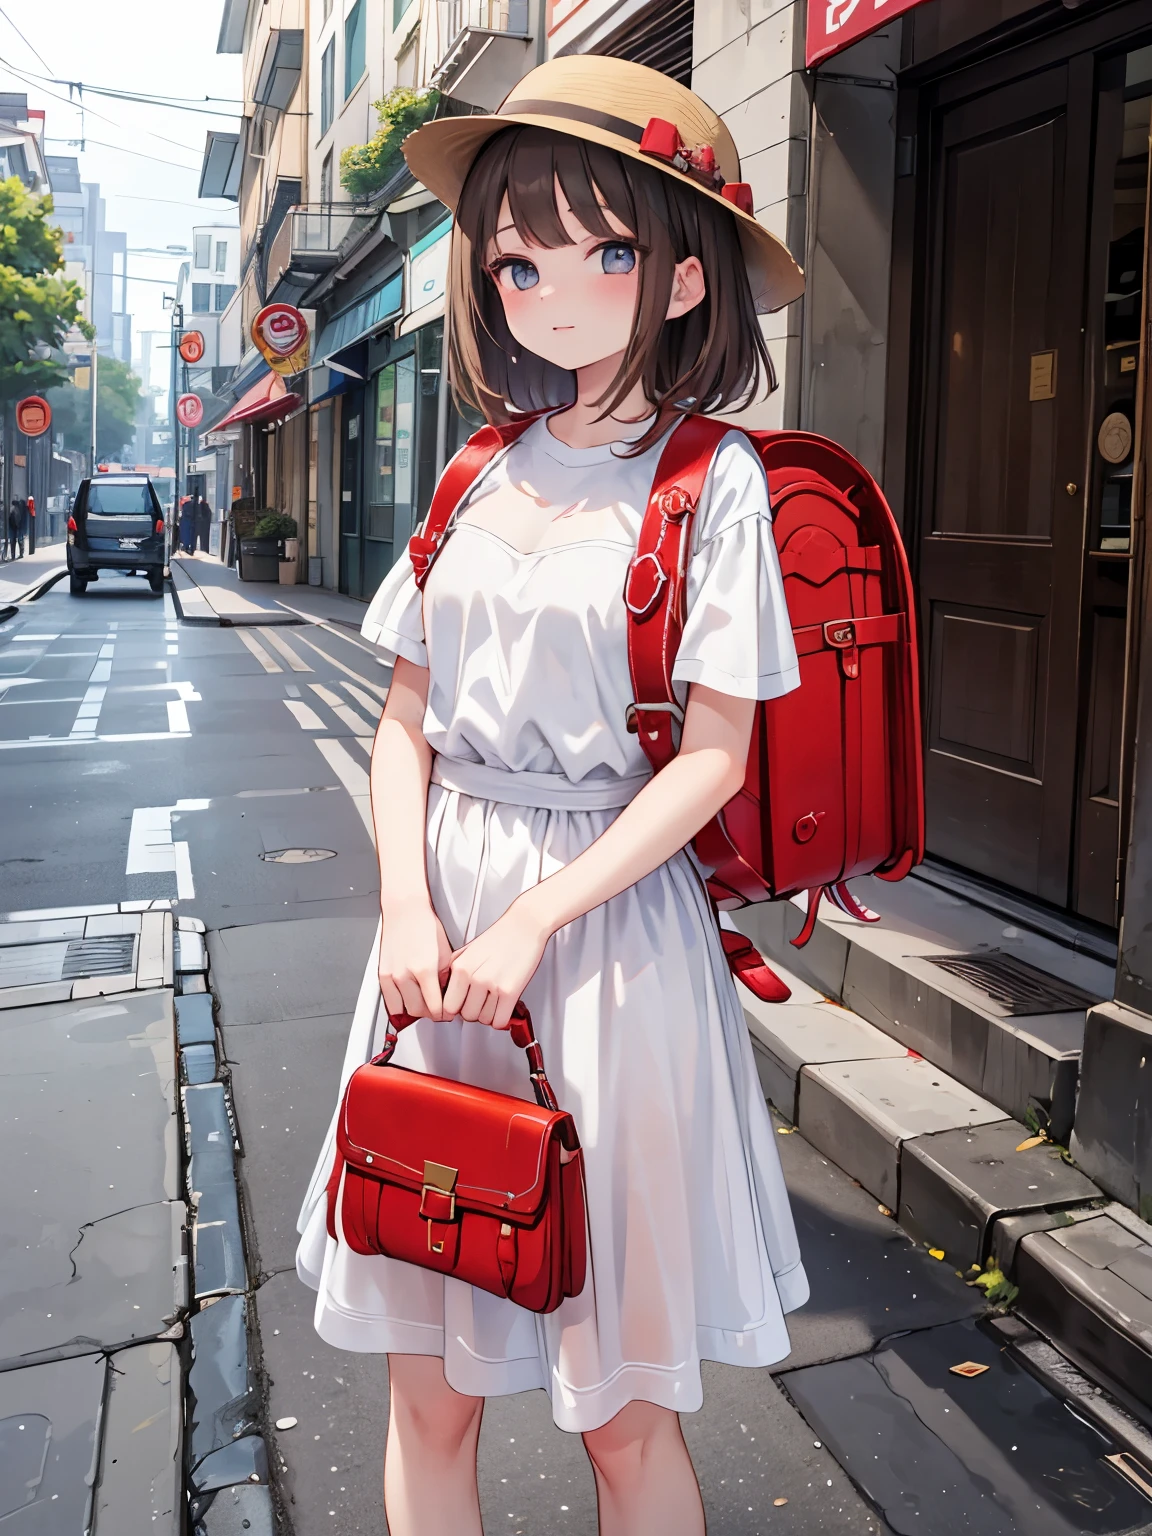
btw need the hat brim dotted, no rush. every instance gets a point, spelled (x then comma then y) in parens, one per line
(441, 152)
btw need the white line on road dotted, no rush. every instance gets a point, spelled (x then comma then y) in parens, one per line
(68, 741)
(343, 712)
(178, 715)
(306, 718)
(293, 658)
(89, 711)
(340, 667)
(151, 849)
(258, 651)
(351, 775)
(365, 742)
(370, 704)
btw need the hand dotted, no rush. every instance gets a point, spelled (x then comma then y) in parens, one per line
(414, 959)
(489, 975)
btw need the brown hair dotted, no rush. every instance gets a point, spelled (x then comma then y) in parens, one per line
(708, 359)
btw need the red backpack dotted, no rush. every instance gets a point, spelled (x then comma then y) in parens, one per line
(834, 784)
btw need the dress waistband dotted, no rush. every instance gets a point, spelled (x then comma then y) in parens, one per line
(540, 791)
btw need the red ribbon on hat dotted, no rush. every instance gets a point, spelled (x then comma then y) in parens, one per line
(662, 140)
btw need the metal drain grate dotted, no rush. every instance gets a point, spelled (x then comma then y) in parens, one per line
(113, 955)
(1016, 987)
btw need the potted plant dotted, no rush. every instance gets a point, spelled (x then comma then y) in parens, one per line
(262, 550)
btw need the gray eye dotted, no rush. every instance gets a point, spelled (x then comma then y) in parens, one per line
(618, 258)
(522, 273)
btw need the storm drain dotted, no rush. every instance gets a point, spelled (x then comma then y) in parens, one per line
(1016, 987)
(113, 955)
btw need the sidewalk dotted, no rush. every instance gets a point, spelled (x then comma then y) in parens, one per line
(16, 576)
(211, 593)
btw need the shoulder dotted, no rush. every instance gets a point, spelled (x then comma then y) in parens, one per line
(736, 488)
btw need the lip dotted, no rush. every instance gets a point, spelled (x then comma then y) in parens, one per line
(563, 327)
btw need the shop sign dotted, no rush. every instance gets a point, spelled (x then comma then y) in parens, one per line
(190, 410)
(834, 24)
(428, 269)
(280, 332)
(33, 415)
(192, 346)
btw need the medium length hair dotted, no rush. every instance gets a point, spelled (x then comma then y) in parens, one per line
(709, 359)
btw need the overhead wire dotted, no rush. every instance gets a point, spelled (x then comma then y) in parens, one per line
(32, 48)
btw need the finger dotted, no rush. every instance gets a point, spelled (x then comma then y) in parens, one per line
(413, 1000)
(474, 1002)
(488, 1012)
(502, 1015)
(433, 1003)
(456, 991)
(390, 992)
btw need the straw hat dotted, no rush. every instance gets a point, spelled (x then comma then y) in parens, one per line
(629, 108)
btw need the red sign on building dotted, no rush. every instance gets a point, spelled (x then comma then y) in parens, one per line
(190, 410)
(192, 346)
(834, 24)
(33, 415)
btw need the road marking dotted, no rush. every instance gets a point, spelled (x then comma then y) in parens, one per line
(173, 650)
(370, 704)
(340, 667)
(89, 711)
(320, 624)
(306, 718)
(67, 741)
(366, 742)
(257, 650)
(351, 775)
(152, 850)
(102, 671)
(343, 712)
(293, 658)
(178, 716)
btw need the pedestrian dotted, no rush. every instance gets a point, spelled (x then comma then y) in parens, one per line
(616, 288)
(187, 526)
(17, 525)
(202, 522)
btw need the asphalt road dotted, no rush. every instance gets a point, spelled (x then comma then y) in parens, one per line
(143, 757)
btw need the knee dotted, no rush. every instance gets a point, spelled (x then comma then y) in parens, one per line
(426, 1411)
(619, 1449)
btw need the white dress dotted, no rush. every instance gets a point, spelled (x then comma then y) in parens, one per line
(692, 1248)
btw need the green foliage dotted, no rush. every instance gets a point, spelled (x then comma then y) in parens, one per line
(998, 1289)
(364, 168)
(118, 394)
(36, 306)
(276, 525)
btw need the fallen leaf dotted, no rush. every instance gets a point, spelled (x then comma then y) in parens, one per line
(1032, 1141)
(968, 1368)
(785, 1130)
(936, 1253)
(884, 1211)
(778, 1502)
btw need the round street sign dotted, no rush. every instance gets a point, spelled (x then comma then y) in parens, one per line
(33, 415)
(190, 410)
(192, 346)
(280, 331)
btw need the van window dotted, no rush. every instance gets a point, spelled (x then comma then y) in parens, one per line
(120, 499)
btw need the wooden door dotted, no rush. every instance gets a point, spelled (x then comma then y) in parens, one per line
(351, 483)
(1002, 503)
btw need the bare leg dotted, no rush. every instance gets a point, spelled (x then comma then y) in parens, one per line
(645, 1485)
(430, 1460)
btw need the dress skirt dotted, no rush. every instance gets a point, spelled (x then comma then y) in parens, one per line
(691, 1244)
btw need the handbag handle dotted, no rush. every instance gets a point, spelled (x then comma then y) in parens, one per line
(523, 1036)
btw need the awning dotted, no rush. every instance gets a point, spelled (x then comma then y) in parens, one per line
(220, 169)
(835, 24)
(270, 400)
(252, 367)
(359, 320)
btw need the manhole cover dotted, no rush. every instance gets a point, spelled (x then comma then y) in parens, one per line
(113, 955)
(297, 855)
(1016, 987)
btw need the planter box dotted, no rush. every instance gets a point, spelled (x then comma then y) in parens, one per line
(259, 560)
(288, 572)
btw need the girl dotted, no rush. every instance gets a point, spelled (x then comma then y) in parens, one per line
(600, 273)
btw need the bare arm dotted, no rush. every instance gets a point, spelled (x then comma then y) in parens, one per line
(414, 951)
(489, 974)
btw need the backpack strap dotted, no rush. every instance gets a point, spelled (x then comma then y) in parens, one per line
(655, 585)
(454, 484)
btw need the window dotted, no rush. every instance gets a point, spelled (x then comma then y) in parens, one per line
(326, 179)
(201, 297)
(353, 48)
(202, 247)
(221, 255)
(390, 492)
(399, 7)
(224, 292)
(327, 86)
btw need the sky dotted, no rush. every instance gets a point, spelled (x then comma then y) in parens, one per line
(146, 158)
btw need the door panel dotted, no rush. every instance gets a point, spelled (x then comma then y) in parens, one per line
(1001, 532)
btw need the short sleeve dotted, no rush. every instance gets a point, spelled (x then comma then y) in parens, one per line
(395, 618)
(737, 636)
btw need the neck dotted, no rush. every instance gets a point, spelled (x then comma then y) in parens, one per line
(584, 425)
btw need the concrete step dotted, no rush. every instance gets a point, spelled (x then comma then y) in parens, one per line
(884, 973)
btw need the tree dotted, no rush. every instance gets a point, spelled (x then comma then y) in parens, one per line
(364, 168)
(37, 307)
(117, 400)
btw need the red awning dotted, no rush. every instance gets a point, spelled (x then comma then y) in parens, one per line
(834, 24)
(270, 400)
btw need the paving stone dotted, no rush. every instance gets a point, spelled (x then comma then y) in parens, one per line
(954, 1184)
(194, 1021)
(189, 925)
(858, 1114)
(789, 1036)
(222, 1403)
(154, 952)
(217, 1239)
(141, 1487)
(42, 932)
(49, 1429)
(240, 1461)
(245, 1510)
(29, 965)
(198, 1063)
(103, 986)
(1112, 1139)
(189, 982)
(51, 914)
(29, 997)
(1086, 1307)
(1009, 1231)
(112, 923)
(191, 952)
(92, 1220)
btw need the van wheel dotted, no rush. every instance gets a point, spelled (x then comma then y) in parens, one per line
(77, 585)
(156, 582)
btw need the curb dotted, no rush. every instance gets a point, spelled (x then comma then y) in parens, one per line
(37, 589)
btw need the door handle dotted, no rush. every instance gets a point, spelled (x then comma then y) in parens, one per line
(1071, 487)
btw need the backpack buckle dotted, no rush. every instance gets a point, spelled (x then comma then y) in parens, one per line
(840, 634)
(675, 503)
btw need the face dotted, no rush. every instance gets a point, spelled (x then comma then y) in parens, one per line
(575, 305)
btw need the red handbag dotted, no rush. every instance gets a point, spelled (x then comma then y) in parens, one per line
(479, 1185)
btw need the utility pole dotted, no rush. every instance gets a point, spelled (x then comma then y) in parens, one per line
(92, 440)
(177, 327)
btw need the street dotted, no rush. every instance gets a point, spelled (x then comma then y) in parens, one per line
(224, 769)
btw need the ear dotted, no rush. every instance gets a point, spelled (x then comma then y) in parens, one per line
(688, 287)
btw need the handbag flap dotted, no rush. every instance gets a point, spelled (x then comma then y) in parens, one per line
(395, 1122)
